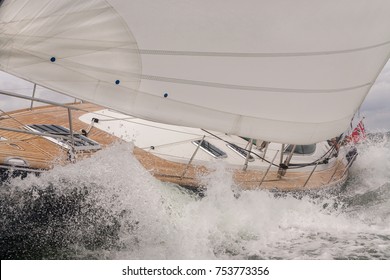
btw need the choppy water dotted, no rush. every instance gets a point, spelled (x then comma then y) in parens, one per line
(109, 207)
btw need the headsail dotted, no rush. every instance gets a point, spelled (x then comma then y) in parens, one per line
(283, 71)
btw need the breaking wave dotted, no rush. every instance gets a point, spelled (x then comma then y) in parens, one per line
(110, 207)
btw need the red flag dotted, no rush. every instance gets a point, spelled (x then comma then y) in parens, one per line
(358, 134)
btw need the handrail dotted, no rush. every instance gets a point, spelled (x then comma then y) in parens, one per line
(33, 96)
(39, 100)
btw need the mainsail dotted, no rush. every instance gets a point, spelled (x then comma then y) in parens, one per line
(283, 71)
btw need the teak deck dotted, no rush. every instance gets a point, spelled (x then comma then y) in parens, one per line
(42, 154)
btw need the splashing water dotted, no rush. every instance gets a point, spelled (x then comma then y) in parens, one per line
(109, 207)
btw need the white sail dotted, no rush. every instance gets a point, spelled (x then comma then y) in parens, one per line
(283, 71)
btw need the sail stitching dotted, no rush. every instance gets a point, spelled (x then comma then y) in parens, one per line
(245, 54)
(248, 88)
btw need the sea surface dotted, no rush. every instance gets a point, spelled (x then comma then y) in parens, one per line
(109, 207)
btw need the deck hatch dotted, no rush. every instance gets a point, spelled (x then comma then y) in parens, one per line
(81, 143)
(210, 149)
(241, 151)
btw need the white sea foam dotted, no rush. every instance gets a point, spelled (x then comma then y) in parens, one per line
(162, 221)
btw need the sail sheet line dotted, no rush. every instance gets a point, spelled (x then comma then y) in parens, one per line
(252, 55)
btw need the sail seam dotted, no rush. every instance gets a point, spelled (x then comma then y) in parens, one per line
(249, 54)
(249, 88)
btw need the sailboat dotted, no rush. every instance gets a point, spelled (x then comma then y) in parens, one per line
(266, 86)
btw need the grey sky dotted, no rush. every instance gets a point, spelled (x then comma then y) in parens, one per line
(375, 109)
(376, 106)
(16, 85)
